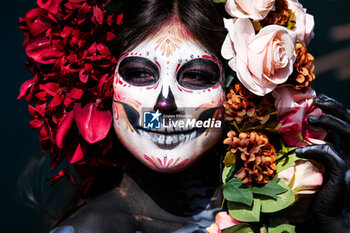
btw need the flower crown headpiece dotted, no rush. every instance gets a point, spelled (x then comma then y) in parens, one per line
(68, 45)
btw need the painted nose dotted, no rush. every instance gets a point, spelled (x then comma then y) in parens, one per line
(165, 105)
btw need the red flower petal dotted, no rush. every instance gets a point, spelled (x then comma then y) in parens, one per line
(93, 123)
(98, 14)
(50, 88)
(27, 89)
(57, 100)
(50, 5)
(120, 19)
(35, 124)
(34, 20)
(75, 150)
(83, 76)
(75, 93)
(110, 36)
(63, 129)
(41, 51)
(78, 155)
(41, 95)
(103, 50)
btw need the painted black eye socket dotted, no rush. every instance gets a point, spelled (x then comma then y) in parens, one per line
(138, 71)
(199, 74)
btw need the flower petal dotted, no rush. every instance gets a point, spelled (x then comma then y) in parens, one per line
(63, 128)
(93, 123)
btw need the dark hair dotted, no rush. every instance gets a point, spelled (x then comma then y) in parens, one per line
(202, 18)
(204, 21)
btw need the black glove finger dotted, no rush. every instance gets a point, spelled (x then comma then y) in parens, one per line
(333, 107)
(331, 123)
(326, 155)
(330, 200)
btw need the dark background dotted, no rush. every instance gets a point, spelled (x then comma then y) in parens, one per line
(331, 48)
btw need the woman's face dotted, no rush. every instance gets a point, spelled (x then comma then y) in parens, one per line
(167, 100)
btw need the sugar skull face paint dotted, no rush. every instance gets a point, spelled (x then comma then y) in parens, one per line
(171, 75)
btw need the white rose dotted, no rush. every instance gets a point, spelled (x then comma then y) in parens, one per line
(304, 23)
(261, 61)
(254, 9)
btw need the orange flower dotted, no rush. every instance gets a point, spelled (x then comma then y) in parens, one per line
(303, 74)
(243, 105)
(257, 154)
(279, 16)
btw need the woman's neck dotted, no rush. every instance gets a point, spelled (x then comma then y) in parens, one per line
(185, 193)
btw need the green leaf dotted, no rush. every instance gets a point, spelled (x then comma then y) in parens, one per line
(239, 228)
(245, 213)
(284, 228)
(227, 172)
(287, 162)
(220, 1)
(283, 200)
(114, 6)
(235, 191)
(271, 189)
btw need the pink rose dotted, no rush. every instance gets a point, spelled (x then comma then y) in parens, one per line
(304, 23)
(261, 61)
(254, 9)
(223, 220)
(294, 107)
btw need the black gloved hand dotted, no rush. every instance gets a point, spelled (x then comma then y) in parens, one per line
(330, 201)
